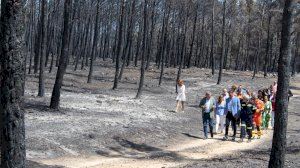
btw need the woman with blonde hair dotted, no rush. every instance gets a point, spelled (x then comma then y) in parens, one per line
(181, 97)
(220, 114)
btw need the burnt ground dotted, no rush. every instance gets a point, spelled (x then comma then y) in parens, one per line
(100, 127)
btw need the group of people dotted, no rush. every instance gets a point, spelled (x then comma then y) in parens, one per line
(237, 106)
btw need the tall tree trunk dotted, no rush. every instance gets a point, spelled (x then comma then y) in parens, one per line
(149, 49)
(223, 44)
(138, 44)
(55, 98)
(182, 51)
(164, 40)
(212, 58)
(41, 90)
(296, 54)
(256, 58)
(202, 43)
(237, 60)
(32, 30)
(142, 76)
(277, 157)
(83, 51)
(95, 42)
(119, 45)
(193, 36)
(38, 41)
(268, 46)
(13, 150)
(127, 49)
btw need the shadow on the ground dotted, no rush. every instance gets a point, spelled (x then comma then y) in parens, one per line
(41, 106)
(32, 164)
(191, 136)
(36, 105)
(297, 131)
(129, 149)
(294, 149)
(294, 88)
(194, 106)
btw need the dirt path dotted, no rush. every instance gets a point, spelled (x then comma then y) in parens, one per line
(179, 155)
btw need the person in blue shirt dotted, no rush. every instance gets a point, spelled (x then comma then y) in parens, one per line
(232, 109)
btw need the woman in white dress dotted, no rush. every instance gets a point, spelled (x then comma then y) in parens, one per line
(181, 97)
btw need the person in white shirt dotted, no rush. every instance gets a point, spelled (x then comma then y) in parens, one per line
(220, 114)
(181, 96)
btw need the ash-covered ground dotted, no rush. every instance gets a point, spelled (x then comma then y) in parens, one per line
(100, 127)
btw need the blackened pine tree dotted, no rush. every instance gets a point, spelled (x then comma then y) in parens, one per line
(12, 133)
(119, 45)
(95, 41)
(141, 84)
(223, 44)
(55, 98)
(41, 90)
(277, 157)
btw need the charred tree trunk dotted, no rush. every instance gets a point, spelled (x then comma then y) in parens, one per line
(13, 150)
(182, 51)
(256, 57)
(223, 44)
(142, 76)
(212, 58)
(237, 60)
(127, 49)
(55, 99)
(119, 45)
(95, 42)
(149, 49)
(193, 37)
(268, 46)
(41, 90)
(83, 53)
(32, 29)
(164, 40)
(296, 54)
(277, 157)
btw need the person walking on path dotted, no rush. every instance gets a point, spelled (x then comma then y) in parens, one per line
(207, 104)
(181, 96)
(246, 119)
(266, 113)
(273, 99)
(257, 117)
(220, 114)
(232, 108)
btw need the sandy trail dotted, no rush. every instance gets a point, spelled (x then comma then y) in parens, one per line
(179, 155)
